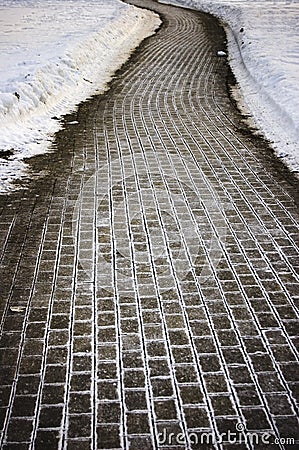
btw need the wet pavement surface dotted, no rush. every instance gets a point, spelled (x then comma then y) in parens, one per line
(149, 273)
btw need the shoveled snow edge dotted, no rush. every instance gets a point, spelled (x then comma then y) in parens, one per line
(26, 132)
(254, 99)
(263, 108)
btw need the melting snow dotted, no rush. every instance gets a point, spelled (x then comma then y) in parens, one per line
(263, 47)
(55, 54)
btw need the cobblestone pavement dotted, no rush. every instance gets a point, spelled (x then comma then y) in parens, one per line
(149, 273)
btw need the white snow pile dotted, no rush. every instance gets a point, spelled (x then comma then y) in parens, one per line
(55, 54)
(263, 46)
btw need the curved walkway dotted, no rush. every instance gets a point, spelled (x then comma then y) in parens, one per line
(150, 274)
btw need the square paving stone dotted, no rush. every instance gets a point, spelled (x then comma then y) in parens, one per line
(24, 406)
(171, 295)
(283, 353)
(162, 387)
(50, 416)
(240, 374)
(138, 423)
(106, 352)
(55, 374)
(178, 337)
(134, 379)
(256, 419)
(227, 338)
(269, 382)
(174, 321)
(286, 312)
(27, 384)
(204, 345)
(60, 321)
(108, 390)
(153, 332)
(136, 400)
(149, 303)
(288, 427)
(221, 322)
(156, 348)
(248, 395)
(223, 405)
(131, 342)
(182, 354)
(53, 394)
(165, 410)
(196, 417)
(46, 439)
(9, 357)
(106, 320)
(109, 412)
(132, 360)
(151, 316)
(82, 345)
(82, 363)
(106, 370)
(227, 425)
(200, 328)
(197, 313)
(5, 392)
(57, 355)
(38, 314)
(191, 394)
(30, 365)
(267, 320)
(279, 404)
(192, 300)
(216, 382)
(79, 403)
(234, 298)
(35, 330)
(254, 344)
(19, 430)
(79, 426)
(290, 371)
(61, 306)
(83, 328)
(159, 367)
(262, 362)
(58, 337)
(216, 307)
(141, 442)
(247, 328)
(128, 310)
(79, 444)
(260, 304)
(185, 373)
(209, 363)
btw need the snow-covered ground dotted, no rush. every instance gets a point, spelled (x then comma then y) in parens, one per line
(53, 55)
(263, 46)
(56, 53)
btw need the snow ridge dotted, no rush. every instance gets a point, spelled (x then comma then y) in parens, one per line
(264, 56)
(31, 102)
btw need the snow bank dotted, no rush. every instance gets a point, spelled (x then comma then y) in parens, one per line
(264, 55)
(55, 54)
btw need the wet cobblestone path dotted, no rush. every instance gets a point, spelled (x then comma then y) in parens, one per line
(149, 275)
